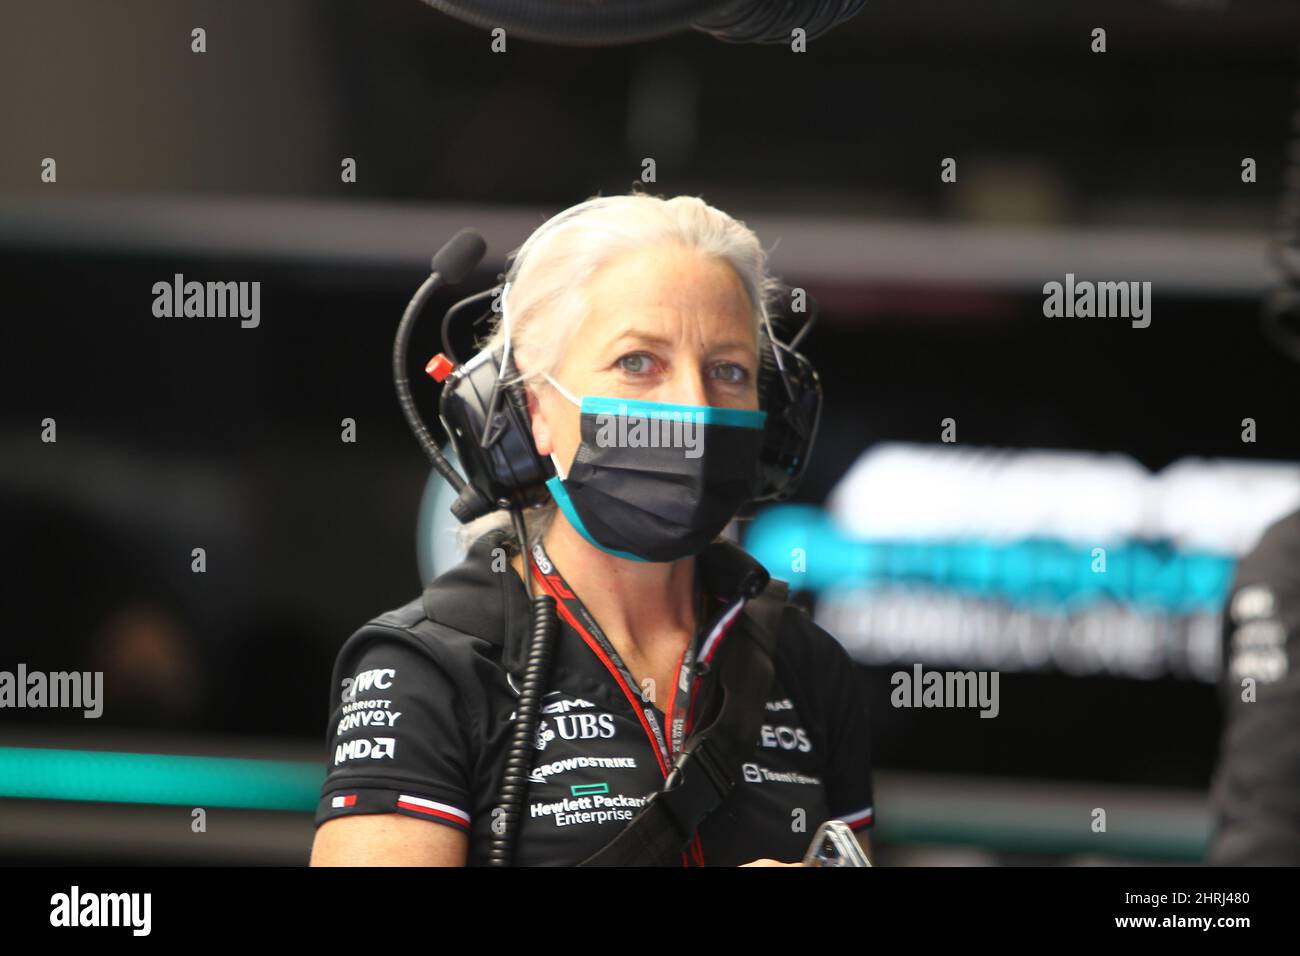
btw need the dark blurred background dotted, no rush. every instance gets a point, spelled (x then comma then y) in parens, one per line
(179, 433)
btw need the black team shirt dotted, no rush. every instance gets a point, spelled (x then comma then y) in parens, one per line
(1256, 790)
(422, 700)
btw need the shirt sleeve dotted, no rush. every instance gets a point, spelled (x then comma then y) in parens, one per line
(848, 775)
(399, 739)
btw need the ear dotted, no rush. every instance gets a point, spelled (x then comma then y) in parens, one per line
(537, 420)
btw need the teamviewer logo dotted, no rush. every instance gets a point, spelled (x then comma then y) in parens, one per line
(751, 773)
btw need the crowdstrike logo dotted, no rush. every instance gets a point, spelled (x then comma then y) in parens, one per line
(543, 772)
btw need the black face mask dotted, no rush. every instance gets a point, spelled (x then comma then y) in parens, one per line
(654, 481)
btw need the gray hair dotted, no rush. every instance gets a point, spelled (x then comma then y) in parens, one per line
(546, 300)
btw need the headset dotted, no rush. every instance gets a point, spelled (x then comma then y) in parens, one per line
(485, 412)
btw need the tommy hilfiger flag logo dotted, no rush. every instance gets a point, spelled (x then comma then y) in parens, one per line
(432, 808)
(346, 800)
(859, 819)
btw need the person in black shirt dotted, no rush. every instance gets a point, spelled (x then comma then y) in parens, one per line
(654, 304)
(1255, 795)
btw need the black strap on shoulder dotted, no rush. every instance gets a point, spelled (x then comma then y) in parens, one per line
(733, 698)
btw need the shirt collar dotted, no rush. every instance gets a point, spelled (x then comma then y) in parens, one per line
(488, 602)
(476, 598)
(730, 572)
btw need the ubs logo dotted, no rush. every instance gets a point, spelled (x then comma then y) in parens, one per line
(585, 726)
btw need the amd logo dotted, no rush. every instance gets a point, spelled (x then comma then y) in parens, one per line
(376, 749)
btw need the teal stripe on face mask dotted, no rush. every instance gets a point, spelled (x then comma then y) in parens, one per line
(702, 414)
(561, 497)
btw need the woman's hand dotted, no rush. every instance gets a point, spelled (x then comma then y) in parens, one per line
(766, 862)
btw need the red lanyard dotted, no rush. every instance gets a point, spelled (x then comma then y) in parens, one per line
(682, 693)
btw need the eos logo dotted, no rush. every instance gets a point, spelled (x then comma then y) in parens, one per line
(585, 726)
(376, 749)
(381, 677)
(786, 738)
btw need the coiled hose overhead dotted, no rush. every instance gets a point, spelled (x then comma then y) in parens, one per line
(610, 22)
(1281, 315)
(771, 21)
(1286, 250)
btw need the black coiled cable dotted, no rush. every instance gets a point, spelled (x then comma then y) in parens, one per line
(603, 22)
(773, 21)
(523, 733)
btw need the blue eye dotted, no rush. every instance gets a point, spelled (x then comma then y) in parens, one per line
(734, 374)
(622, 362)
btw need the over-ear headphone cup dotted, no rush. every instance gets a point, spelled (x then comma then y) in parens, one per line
(791, 427)
(509, 466)
(523, 424)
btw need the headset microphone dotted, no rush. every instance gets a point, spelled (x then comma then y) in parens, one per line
(452, 263)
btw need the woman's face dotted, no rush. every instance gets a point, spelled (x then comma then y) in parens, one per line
(666, 324)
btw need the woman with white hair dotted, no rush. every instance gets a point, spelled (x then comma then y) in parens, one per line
(621, 309)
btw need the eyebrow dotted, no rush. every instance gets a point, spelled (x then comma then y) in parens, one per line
(660, 340)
